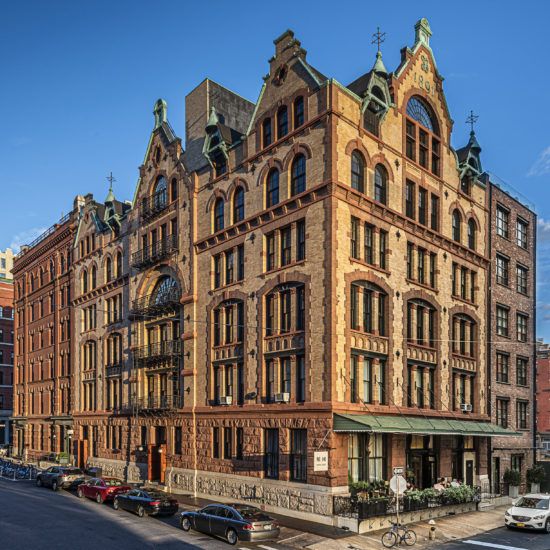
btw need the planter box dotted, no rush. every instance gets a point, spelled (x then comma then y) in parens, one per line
(513, 491)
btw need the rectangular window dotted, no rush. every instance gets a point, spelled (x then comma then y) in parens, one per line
(239, 443)
(502, 412)
(227, 443)
(286, 245)
(503, 367)
(300, 379)
(229, 267)
(215, 443)
(463, 282)
(354, 307)
(503, 270)
(503, 222)
(521, 326)
(421, 267)
(409, 199)
(270, 314)
(217, 327)
(521, 371)
(270, 380)
(502, 321)
(240, 262)
(367, 310)
(522, 231)
(516, 461)
(382, 261)
(300, 308)
(521, 279)
(411, 140)
(354, 242)
(270, 252)
(435, 156)
(240, 384)
(521, 415)
(472, 286)
(434, 216)
(285, 303)
(433, 267)
(285, 374)
(300, 240)
(217, 270)
(423, 148)
(228, 376)
(367, 380)
(369, 243)
(271, 465)
(353, 378)
(410, 260)
(298, 455)
(423, 206)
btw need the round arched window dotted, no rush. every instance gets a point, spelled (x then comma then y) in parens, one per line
(166, 289)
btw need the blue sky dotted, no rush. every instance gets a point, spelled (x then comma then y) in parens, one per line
(79, 80)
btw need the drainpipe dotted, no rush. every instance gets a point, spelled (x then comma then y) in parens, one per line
(489, 310)
(534, 367)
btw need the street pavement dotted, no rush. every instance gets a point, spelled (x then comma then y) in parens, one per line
(503, 539)
(34, 518)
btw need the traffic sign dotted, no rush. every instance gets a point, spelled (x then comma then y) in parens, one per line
(398, 484)
(398, 471)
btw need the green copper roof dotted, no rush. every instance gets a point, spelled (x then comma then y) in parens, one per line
(416, 425)
(379, 66)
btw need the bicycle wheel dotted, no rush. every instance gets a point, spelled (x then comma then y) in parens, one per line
(409, 537)
(389, 539)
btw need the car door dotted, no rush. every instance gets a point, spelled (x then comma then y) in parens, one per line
(51, 475)
(202, 520)
(126, 501)
(98, 487)
(86, 487)
(218, 521)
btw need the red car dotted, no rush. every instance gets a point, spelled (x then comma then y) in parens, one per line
(102, 488)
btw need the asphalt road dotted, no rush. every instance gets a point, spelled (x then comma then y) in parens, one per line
(33, 518)
(503, 539)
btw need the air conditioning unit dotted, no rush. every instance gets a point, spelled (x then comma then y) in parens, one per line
(226, 400)
(466, 407)
(282, 398)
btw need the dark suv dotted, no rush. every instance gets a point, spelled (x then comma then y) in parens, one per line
(59, 477)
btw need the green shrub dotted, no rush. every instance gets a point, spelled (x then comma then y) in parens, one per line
(536, 474)
(512, 477)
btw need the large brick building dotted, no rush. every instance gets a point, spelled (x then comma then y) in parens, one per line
(543, 400)
(511, 326)
(303, 293)
(6, 359)
(43, 326)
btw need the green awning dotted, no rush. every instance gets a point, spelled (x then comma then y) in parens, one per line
(400, 424)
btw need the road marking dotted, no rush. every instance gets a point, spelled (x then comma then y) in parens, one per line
(491, 545)
(266, 547)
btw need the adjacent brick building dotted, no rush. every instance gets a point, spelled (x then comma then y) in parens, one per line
(6, 263)
(511, 322)
(43, 326)
(543, 400)
(6, 359)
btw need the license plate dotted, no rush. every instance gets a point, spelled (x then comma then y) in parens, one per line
(166, 504)
(520, 524)
(267, 527)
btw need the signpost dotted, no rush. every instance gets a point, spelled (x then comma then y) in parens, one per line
(398, 484)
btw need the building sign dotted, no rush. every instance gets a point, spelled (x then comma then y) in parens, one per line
(320, 461)
(398, 471)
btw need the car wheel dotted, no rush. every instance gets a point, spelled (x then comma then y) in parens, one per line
(231, 536)
(39, 482)
(547, 526)
(140, 511)
(79, 493)
(99, 498)
(54, 485)
(185, 524)
(116, 505)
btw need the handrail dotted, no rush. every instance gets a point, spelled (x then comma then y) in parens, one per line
(155, 252)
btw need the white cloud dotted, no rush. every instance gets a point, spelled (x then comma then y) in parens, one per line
(543, 230)
(542, 164)
(25, 237)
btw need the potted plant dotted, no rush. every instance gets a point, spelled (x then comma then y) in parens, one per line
(513, 479)
(535, 476)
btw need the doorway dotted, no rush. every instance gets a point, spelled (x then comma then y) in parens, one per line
(156, 463)
(470, 473)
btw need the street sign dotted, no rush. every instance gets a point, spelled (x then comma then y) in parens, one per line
(320, 461)
(398, 471)
(398, 484)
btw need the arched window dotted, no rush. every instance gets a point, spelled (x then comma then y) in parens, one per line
(160, 194)
(52, 270)
(471, 234)
(380, 184)
(166, 290)
(357, 171)
(174, 189)
(93, 278)
(464, 335)
(298, 111)
(238, 205)
(41, 277)
(218, 214)
(368, 308)
(457, 222)
(282, 122)
(62, 263)
(108, 269)
(272, 188)
(266, 132)
(422, 131)
(119, 264)
(298, 175)
(84, 281)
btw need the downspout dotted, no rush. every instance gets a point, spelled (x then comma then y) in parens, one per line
(489, 310)
(534, 367)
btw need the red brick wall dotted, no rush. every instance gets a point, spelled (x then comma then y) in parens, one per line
(6, 345)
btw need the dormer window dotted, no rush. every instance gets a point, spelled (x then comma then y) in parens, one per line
(422, 131)
(267, 138)
(466, 185)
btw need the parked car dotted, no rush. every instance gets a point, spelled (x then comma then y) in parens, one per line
(235, 522)
(146, 502)
(531, 511)
(60, 477)
(102, 488)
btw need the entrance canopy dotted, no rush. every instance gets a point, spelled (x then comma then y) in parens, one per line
(416, 425)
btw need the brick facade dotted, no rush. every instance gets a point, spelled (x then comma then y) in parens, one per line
(6, 359)
(543, 400)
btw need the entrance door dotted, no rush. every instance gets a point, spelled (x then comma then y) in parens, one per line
(495, 476)
(81, 452)
(470, 473)
(153, 463)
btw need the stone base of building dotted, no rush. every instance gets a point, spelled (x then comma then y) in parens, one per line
(133, 472)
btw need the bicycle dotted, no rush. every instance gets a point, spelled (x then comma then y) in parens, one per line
(393, 536)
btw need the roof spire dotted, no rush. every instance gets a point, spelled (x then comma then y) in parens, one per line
(110, 196)
(471, 120)
(160, 110)
(377, 38)
(213, 120)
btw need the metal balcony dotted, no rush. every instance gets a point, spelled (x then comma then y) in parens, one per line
(154, 205)
(155, 253)
(156, 304)
(153, 402)
(157, 353)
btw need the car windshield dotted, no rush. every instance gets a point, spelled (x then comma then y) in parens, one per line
(533, 503)
(252, 514)
(153, 494)
(113, 482)
(72, 472)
